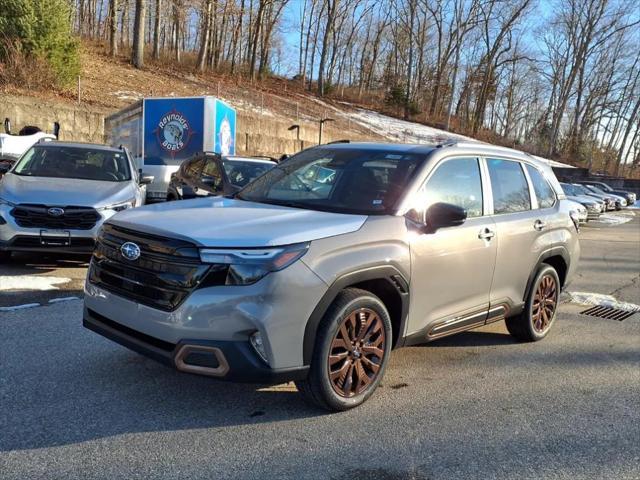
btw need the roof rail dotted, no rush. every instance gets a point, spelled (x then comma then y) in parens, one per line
(346, 140)
(45, 139)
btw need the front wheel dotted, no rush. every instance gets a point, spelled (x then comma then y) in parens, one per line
(351, 352)
(540, 310)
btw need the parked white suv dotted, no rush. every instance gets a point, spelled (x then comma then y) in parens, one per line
(56, 196)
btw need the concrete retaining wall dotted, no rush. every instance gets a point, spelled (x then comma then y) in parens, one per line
(77, 122)
(256, 134)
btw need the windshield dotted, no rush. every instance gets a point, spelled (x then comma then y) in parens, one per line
(74, 162)
(604, 187)
(363, 181)
(582, 190)
(595, 189)
(243, 172)
(568, 189)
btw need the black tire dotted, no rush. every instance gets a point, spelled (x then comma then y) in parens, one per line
(534, 322)
(5, 256)
(318, 389)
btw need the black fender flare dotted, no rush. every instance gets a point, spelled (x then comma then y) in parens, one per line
(551, 252)
(388, 273)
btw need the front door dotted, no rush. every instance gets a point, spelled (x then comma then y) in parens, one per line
(452, 269)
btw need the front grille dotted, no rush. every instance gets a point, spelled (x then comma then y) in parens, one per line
(38, 216)
(166, 272)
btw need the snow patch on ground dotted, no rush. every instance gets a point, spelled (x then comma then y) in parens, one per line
(598, 299)
(398, 130)
(402, 131)
(127, 95)
(617, 219)
(30, 282)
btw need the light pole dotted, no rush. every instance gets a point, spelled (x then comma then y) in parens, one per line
(296, 127)
(322, 122)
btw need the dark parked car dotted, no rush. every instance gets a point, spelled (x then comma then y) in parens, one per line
(584, 190)
(210, 174)
(620, 202)
(629, 196)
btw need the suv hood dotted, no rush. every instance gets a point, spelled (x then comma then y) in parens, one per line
(223, 222)
(64, 191)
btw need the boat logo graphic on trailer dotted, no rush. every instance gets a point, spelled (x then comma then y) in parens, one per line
(173, 132)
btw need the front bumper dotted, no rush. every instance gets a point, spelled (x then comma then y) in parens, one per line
(15, 238)
(277, 306)
(33, 243)
(232, 360)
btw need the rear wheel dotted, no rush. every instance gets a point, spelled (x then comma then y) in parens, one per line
(540, 310)
(351, 352)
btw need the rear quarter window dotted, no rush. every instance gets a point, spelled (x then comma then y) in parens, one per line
(544, 193)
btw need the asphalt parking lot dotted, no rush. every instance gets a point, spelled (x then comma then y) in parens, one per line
(476, 405)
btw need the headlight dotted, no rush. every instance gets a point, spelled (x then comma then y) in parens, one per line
(247, 266)
(575, 218)
(118, 207)
(6, 202)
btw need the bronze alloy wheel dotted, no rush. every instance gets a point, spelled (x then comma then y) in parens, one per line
(545, 302)
(356, 352)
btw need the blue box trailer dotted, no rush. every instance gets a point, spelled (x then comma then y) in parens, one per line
(161, 133)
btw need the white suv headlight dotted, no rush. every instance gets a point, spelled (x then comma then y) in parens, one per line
(118, 207)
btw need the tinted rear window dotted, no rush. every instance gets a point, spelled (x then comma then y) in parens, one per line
(509, 186)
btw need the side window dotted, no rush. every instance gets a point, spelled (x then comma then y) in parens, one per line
(211, 174)
(509, 186)
(544, 193)
(193, 168)
(458, 182)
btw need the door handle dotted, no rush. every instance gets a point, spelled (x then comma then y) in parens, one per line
(539, 225)
(486, 234)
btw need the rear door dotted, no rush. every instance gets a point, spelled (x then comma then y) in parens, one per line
(520, 230)
(451, 269)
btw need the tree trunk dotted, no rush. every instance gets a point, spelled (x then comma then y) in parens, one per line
(137, 56)
(156, 31)
(204, 36)
(332, 6)
(113, 28)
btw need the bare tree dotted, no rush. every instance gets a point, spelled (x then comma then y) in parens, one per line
(137, 56)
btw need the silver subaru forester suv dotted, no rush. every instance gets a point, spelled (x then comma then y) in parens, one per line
(315, 271)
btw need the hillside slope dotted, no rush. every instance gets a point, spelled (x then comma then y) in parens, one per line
(107, 84)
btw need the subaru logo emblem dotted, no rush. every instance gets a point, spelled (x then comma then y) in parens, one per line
(130, 251)
(55, 211)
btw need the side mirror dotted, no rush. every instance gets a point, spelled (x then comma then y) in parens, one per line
(441, 215)
(4, 168)
(146, 179)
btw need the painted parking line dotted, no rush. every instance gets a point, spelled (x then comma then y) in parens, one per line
(19, 307)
